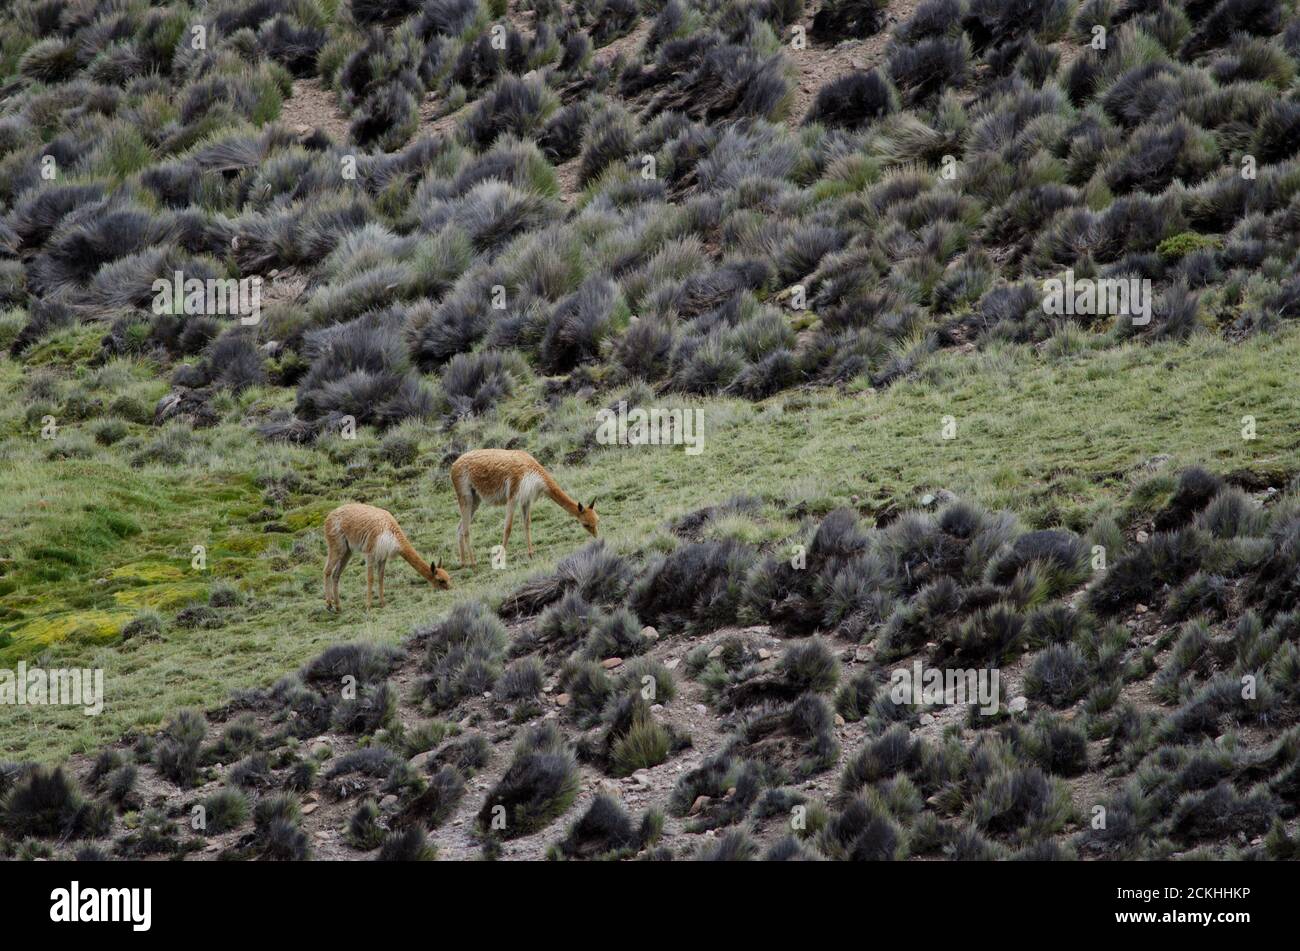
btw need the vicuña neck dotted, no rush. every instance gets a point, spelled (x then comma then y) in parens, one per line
(408, 552)
(558, 495)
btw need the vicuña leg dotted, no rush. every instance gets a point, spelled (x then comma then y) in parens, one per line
(510, 521)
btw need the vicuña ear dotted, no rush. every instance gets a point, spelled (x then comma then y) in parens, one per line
(592, 505)
(580, 508)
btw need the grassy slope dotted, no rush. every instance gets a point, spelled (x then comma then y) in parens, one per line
(1056, 438)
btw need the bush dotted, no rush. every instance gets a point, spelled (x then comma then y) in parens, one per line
(540, 783)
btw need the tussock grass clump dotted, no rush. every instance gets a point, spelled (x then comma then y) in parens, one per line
(437, 801)
(177, 752)
(595, 572)
(408, 846)
(464, 653)
(225, 810)
(537, 787)
(48, 804)
(606, 832)
(697, 586)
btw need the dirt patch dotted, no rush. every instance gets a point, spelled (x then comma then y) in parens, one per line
(625, 46)
(313, 106)
(818, 64)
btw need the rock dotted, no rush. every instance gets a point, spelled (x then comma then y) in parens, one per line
(421, 760)
(641, 779)
(698, 806)
(656, 708)
(701, 708)
(562, 700)
(839, 720)
(309, 808)
(927, 719)
(649, 634)
(862, 654)
(672, 664)
(1018, 704)
(1142, 538)
(1141, 609)
(731, 791)
(389, 802)
(609, 663)
(764, 653)
(716, 652)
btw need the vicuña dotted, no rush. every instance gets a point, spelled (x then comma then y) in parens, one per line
(508, 477)
(374, 533)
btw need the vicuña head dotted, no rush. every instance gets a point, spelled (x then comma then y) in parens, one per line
(375, 533)
(588, 517)
(508, 477)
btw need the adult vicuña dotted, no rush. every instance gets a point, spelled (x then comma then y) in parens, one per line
(506, 477)
(375, 533)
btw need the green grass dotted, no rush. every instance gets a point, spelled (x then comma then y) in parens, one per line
(1059, 440)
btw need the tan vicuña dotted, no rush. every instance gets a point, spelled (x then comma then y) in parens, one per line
(373, 532)
(508, 477)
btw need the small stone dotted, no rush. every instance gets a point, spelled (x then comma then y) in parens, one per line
(927, 719)
(388, 802)
(701, 708)
(731, 791)
(421, 760)
(1141, 609)
(1142, 538)
(649, 633)
(839, 719)
(716, 652)
(672, 663)
(1018, 704)
(562, 700)
(698, 806)
(927, 500)
(862, 654)
(764, 653)
(641, 779)
(309, 808)
(656, 708)
(609, 663)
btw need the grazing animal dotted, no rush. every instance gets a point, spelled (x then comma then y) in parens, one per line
(508, 477)
(375, 533)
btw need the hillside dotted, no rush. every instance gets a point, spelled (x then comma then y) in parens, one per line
(828, 236)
